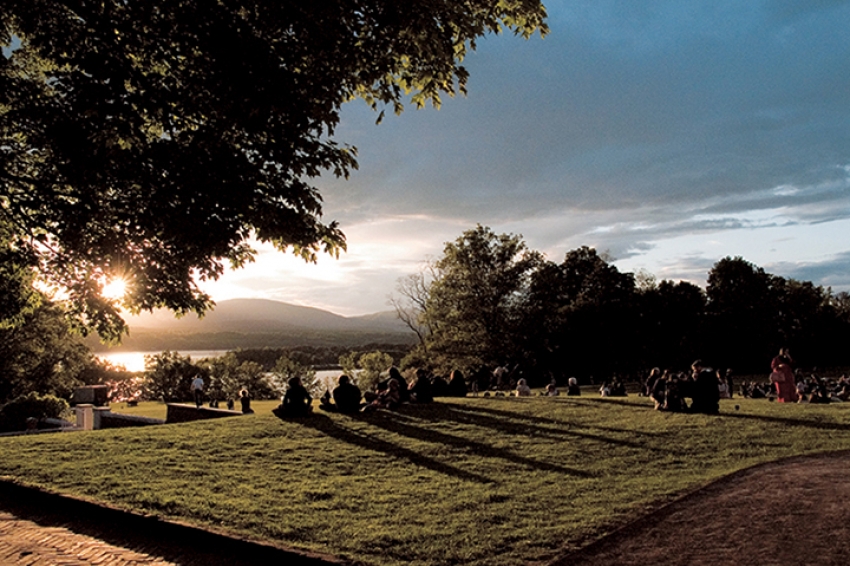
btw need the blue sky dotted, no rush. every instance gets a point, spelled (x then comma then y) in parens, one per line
(670, 134)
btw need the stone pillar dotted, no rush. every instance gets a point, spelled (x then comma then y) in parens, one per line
(85, 416)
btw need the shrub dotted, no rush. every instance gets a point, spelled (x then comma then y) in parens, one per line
(14, 414)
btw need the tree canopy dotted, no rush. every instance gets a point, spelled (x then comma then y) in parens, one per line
(475, 308)
(152, 140)
(489, 300)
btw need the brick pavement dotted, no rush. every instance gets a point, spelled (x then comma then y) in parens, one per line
(44, 529)
(27, 543)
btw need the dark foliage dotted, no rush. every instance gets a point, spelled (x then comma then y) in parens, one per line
(153, 139)
(318, 357)
(494, 302)
(14, 414)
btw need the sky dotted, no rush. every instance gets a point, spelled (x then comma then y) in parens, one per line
(668, 134)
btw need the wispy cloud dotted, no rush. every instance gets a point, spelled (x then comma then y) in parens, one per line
(670, 134)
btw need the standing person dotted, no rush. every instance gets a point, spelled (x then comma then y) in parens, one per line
(730, 383)
(782, 376)
(500, 377)
(705, 393)
(197, 388)
(722, 386)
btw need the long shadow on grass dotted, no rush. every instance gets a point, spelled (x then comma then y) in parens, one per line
(602, 401)
(790, 421)
(596, 403)
(499, 420)
(394, 422)
(329, 427)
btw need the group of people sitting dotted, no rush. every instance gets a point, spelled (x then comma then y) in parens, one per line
(522, 389)
(386, 394)
(614, 389)
(669, 390)
(815, 389)
(244, 402)
(812, 389)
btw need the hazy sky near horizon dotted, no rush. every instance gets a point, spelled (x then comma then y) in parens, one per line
(669, 134)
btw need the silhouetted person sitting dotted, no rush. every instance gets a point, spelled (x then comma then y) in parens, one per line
(403, 393)
(573, 389)
(618, 388)
(325, 401)
(346, 395)
(457, 384)
(704, 391)
(439, 387)
(389, 398)
(296, 402)
(673, 399)
(820, 395)
(420, 390)
(245, 400)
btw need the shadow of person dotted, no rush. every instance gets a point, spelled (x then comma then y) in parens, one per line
(335, 428)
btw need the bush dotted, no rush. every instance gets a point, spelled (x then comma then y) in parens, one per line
(371, 365)
(14, 414)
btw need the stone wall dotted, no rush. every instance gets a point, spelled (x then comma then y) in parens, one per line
(117, 420)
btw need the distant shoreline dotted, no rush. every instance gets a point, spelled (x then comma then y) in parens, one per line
(134, 361)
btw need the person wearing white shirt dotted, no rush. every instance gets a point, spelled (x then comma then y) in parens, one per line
(198, 390)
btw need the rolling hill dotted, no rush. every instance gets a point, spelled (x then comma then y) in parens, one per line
(257, 323)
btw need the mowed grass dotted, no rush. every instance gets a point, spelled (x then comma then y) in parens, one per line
(158, 410)
(475, 481)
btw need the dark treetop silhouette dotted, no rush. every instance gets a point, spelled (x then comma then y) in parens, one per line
(153, 139)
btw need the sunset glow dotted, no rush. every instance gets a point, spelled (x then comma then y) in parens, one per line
(115, 289)
(669, 138)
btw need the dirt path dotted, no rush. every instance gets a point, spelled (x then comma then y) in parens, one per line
(793, 512)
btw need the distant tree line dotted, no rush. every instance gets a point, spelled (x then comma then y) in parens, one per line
(490, 301)
(319, 357)
(264, 373)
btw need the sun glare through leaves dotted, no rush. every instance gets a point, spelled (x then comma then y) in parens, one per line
(115, 289)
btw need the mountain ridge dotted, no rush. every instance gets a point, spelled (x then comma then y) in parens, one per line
(246, 323)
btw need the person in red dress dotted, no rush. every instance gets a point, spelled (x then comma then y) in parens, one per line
(782, 377)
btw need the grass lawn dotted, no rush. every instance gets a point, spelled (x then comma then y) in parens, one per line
(474, 481)
(157, 410)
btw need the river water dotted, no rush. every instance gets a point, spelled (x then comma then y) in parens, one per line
(135, 361)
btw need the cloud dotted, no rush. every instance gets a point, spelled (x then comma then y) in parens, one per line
(619, 106)
(669, 134)
(832, 272)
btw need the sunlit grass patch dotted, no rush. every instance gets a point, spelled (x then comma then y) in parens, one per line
(465, 481)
